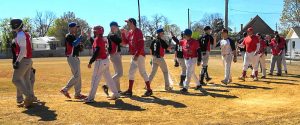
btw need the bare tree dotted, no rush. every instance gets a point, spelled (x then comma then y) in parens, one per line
(208, 19)
(43, 21)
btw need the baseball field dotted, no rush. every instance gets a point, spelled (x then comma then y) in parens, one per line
(275, 100)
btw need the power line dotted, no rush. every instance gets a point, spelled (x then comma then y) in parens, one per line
(254, 11)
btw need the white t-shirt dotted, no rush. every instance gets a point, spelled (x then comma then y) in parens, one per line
(225, 47)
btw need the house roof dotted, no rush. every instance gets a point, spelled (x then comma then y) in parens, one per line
(292, 30)
(258, 25)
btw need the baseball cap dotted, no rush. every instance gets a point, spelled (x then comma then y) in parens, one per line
(188, 32)
(113, 23)
(132, 20)
(73, 24)
(224, 31)
(160, 30)
(16, 23)
(207, 28)
(249, 29)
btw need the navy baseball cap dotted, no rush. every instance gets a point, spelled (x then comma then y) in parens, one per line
(132, 20)
(113, 23)
(160, 30)
(73, 24)
(207, 28)
(188, 32)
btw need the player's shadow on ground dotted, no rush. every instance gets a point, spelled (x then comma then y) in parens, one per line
(163, 102)
(42, 111)
(241, 86)
(275, 82)
(273, 78)
(293, 75)
(205, 92)
(119, 105)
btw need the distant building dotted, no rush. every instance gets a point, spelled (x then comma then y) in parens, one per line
(293, 42)
(44, 43)
(258, 25)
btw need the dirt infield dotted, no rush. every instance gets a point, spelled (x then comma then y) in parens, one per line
(275, 100)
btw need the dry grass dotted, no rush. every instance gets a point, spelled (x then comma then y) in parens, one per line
(275, 100)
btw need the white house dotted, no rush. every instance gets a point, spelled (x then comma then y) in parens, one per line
(43, 43)
(293, 40)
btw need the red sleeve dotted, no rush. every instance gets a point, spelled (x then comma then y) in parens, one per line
(124, 38)
(282, 43)
(138, 36)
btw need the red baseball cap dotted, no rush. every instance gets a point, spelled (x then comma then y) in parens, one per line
(249, 29)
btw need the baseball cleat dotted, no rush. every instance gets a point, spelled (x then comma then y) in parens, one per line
(114, 97)
(278, 74)
(255, 79)
(80, 96)
(127, 93)
(252, 76)
(263, 77)
(168, 88)
(202, 83)
(225, 82)
(242, 78)
(208, 79)
(28, 102)
(184, 90)
(87, 100)
(198, 87)
(65, 93)
(286, 72)
(147, 93)
(105, 89)
(270, 74)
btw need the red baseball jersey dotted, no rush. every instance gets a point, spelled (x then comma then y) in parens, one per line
(103, 45)
(136, 42)
(28, 47)
(190, 48)
(277, 47)
(251, 43)
(263, 45)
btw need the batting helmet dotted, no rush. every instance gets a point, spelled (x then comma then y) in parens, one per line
(16, 24)
(98, 30)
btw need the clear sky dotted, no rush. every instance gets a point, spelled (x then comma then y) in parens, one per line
(102, 12)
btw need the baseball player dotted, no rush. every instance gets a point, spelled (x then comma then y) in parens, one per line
(157, 50)
(72, 52)
(277, 46)
(242, 50)
(104, 87)
(114, 40)
(252, 46)
(100, 55)
(20, 97)
(179, 58)
(136, 48)
(22, 64)
(228, 52)
(262, 57)
(205, 41)
(192, 56)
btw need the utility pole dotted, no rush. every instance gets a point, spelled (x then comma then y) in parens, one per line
(226, 14)
(189, 23)
(139, 13)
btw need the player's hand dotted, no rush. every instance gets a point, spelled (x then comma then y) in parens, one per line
(215, 35)
(16, 65)
(89, 66)
(169, 48)
(123, 31)
(234, 59)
